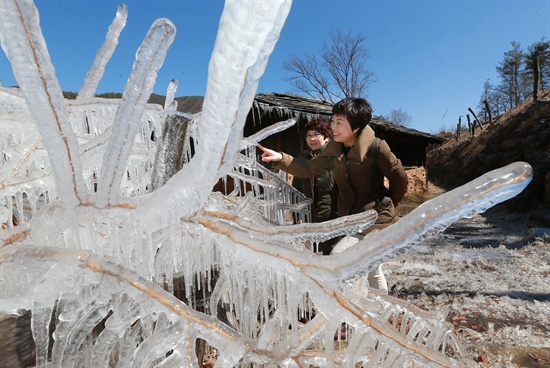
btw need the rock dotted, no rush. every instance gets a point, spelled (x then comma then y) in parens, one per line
(540, 232)
(479, 242)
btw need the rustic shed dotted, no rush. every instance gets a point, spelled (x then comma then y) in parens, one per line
(408, 144)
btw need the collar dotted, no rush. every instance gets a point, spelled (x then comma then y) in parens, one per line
(362, 145)
(316, 152)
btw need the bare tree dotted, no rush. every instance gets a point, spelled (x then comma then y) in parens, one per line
(496, 99)
(339, 72)
(399, 117)
(512, 80)
(308, 76)
(522, 75)
(537, 65)
(485, 101)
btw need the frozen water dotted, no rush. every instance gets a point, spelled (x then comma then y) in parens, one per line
(104, 54)
(101, 218)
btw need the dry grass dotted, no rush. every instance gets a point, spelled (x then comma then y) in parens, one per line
(521, 134)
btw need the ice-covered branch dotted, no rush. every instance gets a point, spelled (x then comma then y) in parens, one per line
(434, 216)
(293, 234)
(266, 132)
(169, 103)
(185, 237)
(118, 300)
(396, 351)
(10, 172)
(247, 34)
(269, 18)
(139, 87)
(297, 267)
(25, 47)
(94, 75)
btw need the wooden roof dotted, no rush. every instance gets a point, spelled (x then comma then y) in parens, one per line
(294, 103)
(304, 108)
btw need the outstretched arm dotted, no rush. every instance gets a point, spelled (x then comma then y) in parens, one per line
(269, 155)
(287, 163)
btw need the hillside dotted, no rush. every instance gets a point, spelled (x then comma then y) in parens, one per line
(521, 134)
(189, 104)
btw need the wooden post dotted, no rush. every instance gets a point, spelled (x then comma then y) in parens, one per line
(471, 127)
(458, 128)
(488, 108)
(475, 117)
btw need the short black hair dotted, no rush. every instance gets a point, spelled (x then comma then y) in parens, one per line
(358, 111)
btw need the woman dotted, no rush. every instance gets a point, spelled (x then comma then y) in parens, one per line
(321, 189)
(359, 162)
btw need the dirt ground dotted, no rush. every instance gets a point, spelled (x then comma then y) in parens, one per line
(492, 273)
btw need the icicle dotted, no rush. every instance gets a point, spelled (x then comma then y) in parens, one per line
(247, 35)
(25, 47)
(94, 75)
(170, 104)
(149, 58)
(262, 134)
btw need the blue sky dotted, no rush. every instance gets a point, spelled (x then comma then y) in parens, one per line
(431, 58)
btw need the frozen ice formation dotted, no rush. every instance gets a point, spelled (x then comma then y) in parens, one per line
(107, 210)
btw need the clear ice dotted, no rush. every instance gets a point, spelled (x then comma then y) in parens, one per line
(107, 210)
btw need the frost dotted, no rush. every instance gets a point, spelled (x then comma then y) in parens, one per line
(107, 210)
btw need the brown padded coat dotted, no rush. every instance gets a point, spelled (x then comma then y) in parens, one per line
(360, 178)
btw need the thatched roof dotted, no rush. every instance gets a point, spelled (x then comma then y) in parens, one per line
(286, 106)
(293, 103)
(277, 107)
(380, 124)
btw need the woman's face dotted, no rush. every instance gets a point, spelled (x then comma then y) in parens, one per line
(341, 130)
(315, 140)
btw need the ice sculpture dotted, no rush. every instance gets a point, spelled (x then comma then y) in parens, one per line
(107, 209)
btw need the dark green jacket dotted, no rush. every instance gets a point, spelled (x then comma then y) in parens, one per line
(321, 189)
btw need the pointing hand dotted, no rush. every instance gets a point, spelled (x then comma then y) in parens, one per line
(270, 155)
